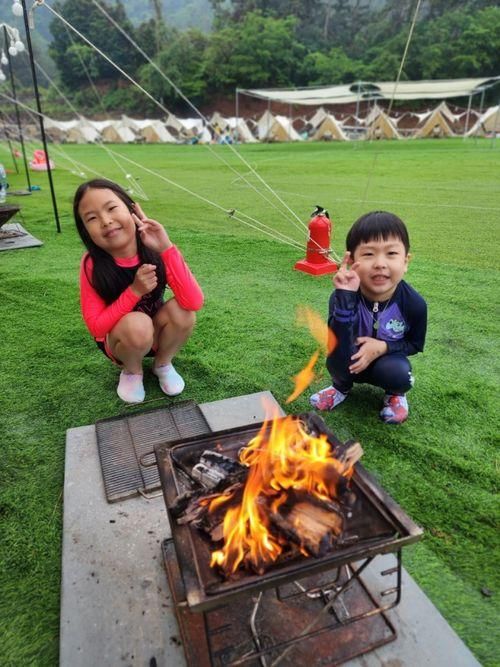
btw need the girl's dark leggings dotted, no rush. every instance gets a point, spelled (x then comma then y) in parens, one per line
(391, 372)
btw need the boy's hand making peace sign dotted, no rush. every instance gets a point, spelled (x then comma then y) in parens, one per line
(152, 233)
(346, 277)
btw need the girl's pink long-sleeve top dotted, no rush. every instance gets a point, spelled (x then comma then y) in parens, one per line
(100, 318)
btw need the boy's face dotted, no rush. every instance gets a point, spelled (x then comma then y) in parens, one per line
(381, 266)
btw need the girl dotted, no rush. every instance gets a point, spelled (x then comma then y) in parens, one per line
(130, 261)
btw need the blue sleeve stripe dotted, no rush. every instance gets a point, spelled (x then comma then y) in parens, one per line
(343, 319)
(343, 312)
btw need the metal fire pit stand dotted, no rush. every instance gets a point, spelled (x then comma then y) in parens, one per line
(230, 635)
(261, 619)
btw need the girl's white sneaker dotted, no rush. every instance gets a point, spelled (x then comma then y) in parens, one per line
(171, 383)
(130, 388)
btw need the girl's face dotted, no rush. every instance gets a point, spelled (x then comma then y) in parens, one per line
(108, 222)
(382, 265)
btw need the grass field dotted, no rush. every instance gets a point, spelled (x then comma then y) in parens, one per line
(441, 466)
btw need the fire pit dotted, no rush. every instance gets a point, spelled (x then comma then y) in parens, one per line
(314, 596)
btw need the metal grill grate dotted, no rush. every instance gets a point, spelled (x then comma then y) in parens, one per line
(126, 446)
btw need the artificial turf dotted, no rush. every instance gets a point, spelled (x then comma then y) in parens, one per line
(441, 465)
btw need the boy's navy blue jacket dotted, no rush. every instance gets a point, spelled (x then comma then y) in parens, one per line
(401, 321)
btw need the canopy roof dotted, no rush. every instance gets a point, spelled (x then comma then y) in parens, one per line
(404, 90)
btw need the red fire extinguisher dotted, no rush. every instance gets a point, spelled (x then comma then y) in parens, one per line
(317, 260)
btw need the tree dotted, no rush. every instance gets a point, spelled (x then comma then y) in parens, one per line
(330, 68)
(458, 44)
(182, 60)
(84, 16)
(261, 51)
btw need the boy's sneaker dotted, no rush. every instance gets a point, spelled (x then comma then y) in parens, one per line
(327, 399)
(395, 410)
(171, 383)
(130, 388)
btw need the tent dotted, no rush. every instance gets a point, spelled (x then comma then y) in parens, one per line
(264, 125)
(173, 123)
(435, 126)
(57, 130)
(276, 128)
(380, 126)
(77, 131)
(240, 130)
(317, 118)
(329, 130)
(193, 130)
(152, 131)
(282, 130)
(488, 124)
(114, 131)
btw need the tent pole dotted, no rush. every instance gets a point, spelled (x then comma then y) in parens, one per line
(467, 117)
(357, 112)
(18, 117)
(480, 114)
(237, 113)
(497, 115)
(268, 118)
(40, 115)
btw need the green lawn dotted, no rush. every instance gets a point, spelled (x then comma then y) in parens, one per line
(441, 465)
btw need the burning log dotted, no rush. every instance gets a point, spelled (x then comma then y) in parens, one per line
(310, 527)
(311, 522)
(289, 494)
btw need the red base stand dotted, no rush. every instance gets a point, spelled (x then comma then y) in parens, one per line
(316, 269)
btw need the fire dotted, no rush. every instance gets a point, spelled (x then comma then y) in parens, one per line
(325, 337)
(281, 457)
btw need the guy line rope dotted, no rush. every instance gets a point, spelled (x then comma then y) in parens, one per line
(232, 213)
(166, 111)
(252, 170)
(100, 143)
(396, 83)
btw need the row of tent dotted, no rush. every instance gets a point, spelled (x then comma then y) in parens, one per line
(438, 122)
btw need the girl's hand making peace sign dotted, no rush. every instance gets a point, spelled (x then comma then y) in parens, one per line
(346, 277)
(152, 233)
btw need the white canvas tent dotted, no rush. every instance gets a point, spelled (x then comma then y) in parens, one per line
(193, 129)
(380, 126)
(240, 130)
(152, 131)
(329, 130)
(317, 118)
(174, 123)
(488, 124)
(114, 131)
(78, 130)
(435, 126)
(264, 125)
(282, 130)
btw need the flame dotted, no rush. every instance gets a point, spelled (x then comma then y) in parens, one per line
(303, 378)
(325, 337)
(318, 328)
(281, 457)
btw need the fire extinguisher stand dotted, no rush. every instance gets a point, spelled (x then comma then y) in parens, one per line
(317, 262)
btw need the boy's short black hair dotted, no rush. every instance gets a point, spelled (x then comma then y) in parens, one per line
(377, 225)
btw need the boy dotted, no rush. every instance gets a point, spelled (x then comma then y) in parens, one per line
(378, 319)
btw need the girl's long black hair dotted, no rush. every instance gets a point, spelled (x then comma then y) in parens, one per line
(108, 280)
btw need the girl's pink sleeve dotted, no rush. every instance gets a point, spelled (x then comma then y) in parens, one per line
(181, 281)
(97, 315)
